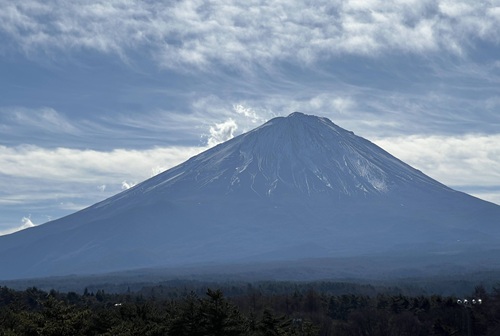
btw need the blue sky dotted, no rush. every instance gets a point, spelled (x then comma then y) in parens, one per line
(99, 95)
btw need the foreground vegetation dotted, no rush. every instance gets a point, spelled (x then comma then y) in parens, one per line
(273, 309)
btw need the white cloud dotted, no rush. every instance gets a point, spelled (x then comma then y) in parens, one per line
(219, 119)
(127, 185)
(493, 197)
(456, 8)
(86, 165)
(248, 112)
(469, 162)
(221, 132)
(197, 33)
(25, 224)
(51, 176)
(52, 183)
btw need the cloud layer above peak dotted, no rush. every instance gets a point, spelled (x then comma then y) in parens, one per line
(199, 33)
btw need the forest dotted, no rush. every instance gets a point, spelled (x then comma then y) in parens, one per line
(270, 308)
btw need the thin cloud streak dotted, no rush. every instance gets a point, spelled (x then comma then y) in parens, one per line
(74, 165)
(45, 119)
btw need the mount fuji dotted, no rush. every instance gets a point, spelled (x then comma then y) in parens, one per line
(295, 188)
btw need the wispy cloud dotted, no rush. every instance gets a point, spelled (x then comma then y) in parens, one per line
(370, 112)
(44, 119)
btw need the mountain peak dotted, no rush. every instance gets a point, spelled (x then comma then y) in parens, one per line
(298, 155)
(312, 122)
(297, 115)
(295, 181)
(301, 117)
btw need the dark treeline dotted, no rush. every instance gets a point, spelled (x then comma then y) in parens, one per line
(271, 309)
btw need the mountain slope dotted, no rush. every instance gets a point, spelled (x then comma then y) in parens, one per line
(296, 187)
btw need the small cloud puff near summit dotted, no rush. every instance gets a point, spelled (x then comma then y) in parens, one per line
(26, 223)
(221, 132)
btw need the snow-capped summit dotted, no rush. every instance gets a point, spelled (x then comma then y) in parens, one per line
(298, 154)
(296, 187)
